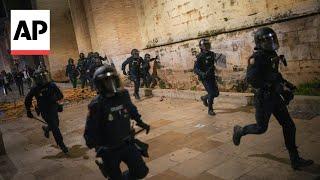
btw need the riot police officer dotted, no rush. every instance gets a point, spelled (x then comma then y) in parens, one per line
(108, 126)
(47, 95)
(134, 70)
(271, 96)
(204, 67)
(95, 62)
(145, 67)
(82, 68)
(72, 72)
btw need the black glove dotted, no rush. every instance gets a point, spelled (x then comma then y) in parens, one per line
(29, 114)
(124, 72)
(144, 126)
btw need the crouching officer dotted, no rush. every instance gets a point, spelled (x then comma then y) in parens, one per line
(272, 94)
(47, 95)
(205, 69)
(134, 70)
(108, 127)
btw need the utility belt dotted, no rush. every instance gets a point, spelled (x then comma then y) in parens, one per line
(268, 93)
(141, 146)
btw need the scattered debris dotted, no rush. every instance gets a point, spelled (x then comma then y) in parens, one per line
(199, 125)
(16, 109)
(162, 98)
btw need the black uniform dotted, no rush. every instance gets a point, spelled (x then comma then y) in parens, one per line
(82, 67)
(268, 100)
(134, 71)
(146, 77)
(47, 96)
(5, 81)
(107, 127)
(273, 94)
(18, 78)
(93, 64)
(72, 73)
(204, 67)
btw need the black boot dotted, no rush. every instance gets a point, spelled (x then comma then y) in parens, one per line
(64, 149)
(297, 162)
(102, 169)
(237, 134)
(211, 112)
(204, 100)
(46, 131)
(136, 96)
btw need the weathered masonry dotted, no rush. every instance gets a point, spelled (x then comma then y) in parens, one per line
(172, 29)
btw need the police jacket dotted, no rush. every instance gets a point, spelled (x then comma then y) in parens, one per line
(108, 120)
(204, 65)
(46, 96)
(134, 65)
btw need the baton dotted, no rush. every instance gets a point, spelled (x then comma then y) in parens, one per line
(35, 118)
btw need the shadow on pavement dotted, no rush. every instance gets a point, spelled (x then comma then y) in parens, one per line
(247, 109)
(313, 169)
(75, 151)
(7, 168)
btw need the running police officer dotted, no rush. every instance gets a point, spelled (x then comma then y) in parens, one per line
(204, 67)
(47, 95)
(134, 70)
(273, 94)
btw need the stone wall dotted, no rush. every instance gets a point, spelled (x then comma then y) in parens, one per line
(164, 22)
(299, 40)
(79, 20)
(173, 28)
(63, 40)
(115, 24)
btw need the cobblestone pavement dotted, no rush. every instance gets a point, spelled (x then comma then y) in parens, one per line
(185, 143)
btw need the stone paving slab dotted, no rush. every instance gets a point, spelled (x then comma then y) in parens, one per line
(185, 143)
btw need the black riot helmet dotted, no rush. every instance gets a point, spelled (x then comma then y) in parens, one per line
(90, 54)
(205, 45)
(135, 53)
(266, 39)
(107, 81)
(41, 77)
(70, 61)
(96, 54)
(147, 56)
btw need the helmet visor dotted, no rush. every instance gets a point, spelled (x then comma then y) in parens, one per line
(108, 83)
(42, 78)
(269, 42)
(205, 45)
